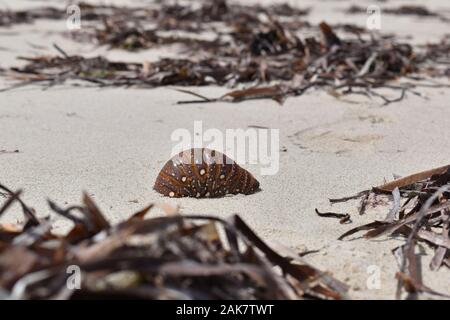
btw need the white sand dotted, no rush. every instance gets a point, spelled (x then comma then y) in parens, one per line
(113, 142)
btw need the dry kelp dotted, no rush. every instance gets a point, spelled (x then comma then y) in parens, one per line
(88, 12)
(420, 212)
(167, 257)
(102, 72)
(139, 30)
(8, 17)
(167, 16)
(412, 10)
(267, 49)
(343, 217)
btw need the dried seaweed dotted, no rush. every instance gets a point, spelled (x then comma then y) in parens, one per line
(413, 10)
(420, 212)
(166, 257)
(343, 217)
(8, 18)
(132, 33)
(260, 49)
(89, 13)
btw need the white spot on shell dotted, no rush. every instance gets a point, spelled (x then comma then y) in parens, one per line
(171, 194)
(198, 195)
(202, 172)
(183, 179)
(222, 176)
(207, 194)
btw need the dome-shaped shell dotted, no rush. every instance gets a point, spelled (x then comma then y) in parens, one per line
(203, 173)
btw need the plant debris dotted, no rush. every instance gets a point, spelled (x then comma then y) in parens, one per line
(343, 217)
(166, 257)
(420, 212)
(413, 10)
(141, 29)
(260, 52)
(88, 12)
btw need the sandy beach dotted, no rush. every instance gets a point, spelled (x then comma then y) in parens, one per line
(112, 142)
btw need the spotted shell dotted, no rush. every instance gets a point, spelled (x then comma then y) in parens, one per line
(203, 173)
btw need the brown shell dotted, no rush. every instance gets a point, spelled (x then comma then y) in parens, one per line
(203, 173)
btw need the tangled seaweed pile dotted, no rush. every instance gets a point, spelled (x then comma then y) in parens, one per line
(263, 48)
(420, 212)
(168, 257)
